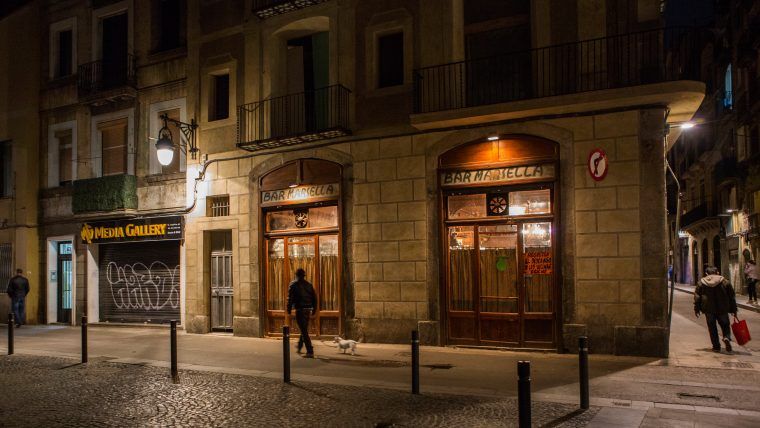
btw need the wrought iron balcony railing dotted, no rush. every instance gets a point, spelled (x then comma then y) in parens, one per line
(695, 214)
(102, 75)
(295, 118)
(268, 8)
(606, 63)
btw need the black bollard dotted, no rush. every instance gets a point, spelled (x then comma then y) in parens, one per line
(523, 393)
(583, 369)
(10, 334)
(84, 339)
(286, 354)
(173, 344)
(415, 362)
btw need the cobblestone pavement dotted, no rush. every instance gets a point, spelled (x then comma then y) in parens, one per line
(47, 391)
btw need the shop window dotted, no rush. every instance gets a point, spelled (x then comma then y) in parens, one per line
(64, 157)
(218, 206)
(498, 268)
(390, 60)
(539, 266)
(307, 218)
(219, 107)
(6, 265)
(482, 205)
(113, 146)
(6, 170)
(528, 202)
(467, 206)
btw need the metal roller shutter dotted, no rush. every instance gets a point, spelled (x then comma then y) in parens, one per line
(139, 282)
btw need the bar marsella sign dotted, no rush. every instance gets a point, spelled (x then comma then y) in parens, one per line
(304, 193)
(132, 230)
(509, 174)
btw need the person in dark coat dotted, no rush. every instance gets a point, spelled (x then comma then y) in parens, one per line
(715, 297)
(18, 288)
(303, 298)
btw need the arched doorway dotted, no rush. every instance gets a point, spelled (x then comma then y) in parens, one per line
(301, 228)
(716, 252)
(499, 219)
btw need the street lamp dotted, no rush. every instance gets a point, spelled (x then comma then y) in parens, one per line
(165, 145)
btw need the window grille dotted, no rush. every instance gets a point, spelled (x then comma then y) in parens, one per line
(219, 206)
(6, 265)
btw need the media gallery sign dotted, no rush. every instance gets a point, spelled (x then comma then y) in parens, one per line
(506, 175)
(132, 230)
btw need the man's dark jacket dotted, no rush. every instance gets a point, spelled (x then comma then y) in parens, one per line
(18, 287)
(714, 295)
(301, 295)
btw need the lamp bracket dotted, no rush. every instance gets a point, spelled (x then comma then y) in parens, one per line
(187, 129)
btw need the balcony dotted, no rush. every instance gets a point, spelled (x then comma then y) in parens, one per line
(293, 119)
(268, 8)
(753, 230)
(615, 62)
(694, 215)
(113, 80)
(110, 193)
(726, 169)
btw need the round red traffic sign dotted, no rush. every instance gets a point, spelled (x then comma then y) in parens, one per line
(597, 164)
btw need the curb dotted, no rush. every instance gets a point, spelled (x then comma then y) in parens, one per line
(744, 306)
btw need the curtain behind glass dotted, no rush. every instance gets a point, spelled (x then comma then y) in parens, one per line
(328, 273)
(538, 288)
(276, 292)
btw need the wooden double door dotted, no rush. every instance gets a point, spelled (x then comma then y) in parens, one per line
(501, 287)
(318, 254)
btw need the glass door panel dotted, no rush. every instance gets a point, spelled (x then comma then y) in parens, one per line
(328, 273)
(461, 282)
(275, 274)
(539, 266)
(301, 256)
(498, 268)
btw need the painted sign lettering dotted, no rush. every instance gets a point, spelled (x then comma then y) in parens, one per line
(509, 174)
(147, 229)
(300, 194)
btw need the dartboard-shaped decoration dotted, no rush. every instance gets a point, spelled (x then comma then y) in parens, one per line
(497, 205)
(301, 218)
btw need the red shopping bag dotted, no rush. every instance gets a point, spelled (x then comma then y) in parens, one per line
(741, 332)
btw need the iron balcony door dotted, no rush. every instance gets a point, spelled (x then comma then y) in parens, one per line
(221, 290)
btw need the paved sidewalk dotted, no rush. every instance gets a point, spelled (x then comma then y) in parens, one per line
(741, 301)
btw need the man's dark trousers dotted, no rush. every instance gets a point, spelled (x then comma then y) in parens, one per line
(302, 319)
(19, 310)
(725, 326)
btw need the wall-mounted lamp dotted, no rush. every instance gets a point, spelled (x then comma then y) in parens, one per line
(165, 145)
(493, 138)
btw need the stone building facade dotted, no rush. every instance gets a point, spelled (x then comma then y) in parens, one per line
(19, 151)
(489, 175)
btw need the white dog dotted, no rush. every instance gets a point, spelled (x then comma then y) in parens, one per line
(345, 344)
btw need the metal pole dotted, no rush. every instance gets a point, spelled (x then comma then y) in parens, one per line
(286, 354)
(415, 362)
(583, 369)
(676, 245)
(10, 334)
(523, 393)
(84, 339)
(173, 344)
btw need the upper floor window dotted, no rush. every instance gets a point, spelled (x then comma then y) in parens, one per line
(6, 170)
(169, 30)
(63, 48)
(64, 157)
(728, 99)
(113, 146)
(219, 107)
(390, 60)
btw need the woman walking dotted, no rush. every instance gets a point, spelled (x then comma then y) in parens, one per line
(752, 274)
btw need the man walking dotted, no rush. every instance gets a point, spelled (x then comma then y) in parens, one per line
(302, 297)
(715, 297)
(18, 288)
(753, 275)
